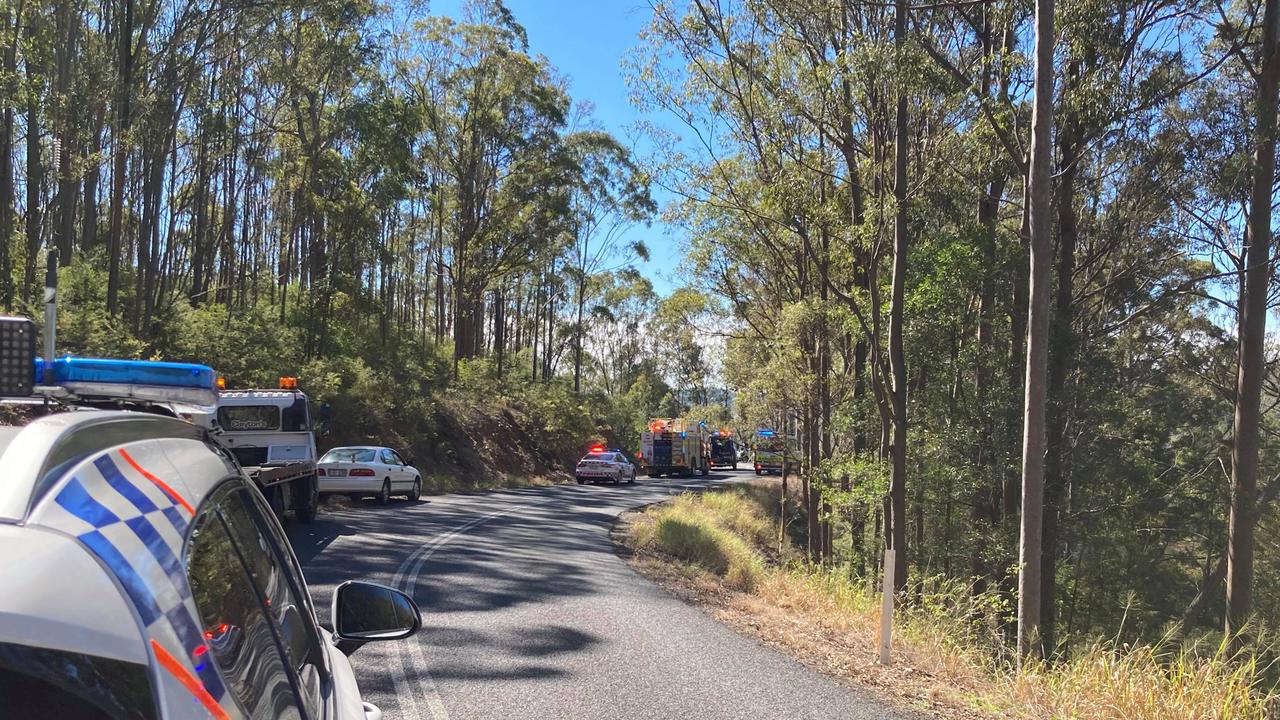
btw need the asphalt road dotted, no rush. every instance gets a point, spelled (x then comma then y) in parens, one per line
(529, 613)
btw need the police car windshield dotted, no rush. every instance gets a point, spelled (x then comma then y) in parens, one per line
(338, 455)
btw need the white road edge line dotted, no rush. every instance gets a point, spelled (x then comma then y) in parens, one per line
(412, 651)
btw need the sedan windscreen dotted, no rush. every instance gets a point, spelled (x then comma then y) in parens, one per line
(346, 455)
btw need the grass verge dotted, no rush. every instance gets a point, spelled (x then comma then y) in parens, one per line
(721, 551)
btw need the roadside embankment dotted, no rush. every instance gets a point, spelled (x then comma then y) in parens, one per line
(721, 551)
(471, 438)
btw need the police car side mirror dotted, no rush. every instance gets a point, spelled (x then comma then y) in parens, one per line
(367, 612)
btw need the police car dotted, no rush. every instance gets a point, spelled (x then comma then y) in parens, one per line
(143, 575)
(600, 465)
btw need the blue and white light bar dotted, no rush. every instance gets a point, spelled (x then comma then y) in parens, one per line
(136, 380)
(765, 433)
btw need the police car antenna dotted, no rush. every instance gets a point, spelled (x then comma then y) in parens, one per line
(50, 316)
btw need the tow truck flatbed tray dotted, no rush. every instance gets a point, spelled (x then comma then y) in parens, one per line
(276, 474)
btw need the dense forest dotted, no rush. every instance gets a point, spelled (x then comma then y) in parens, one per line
(1005, 268)
(387, 203)
(968, 248)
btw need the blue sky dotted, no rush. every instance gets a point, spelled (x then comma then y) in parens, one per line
(585, 40)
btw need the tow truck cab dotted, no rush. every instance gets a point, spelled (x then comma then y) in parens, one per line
(271, 433)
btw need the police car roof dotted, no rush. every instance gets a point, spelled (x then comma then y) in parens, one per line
(35, 455)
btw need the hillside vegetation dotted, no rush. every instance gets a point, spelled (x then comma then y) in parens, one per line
(722, 550)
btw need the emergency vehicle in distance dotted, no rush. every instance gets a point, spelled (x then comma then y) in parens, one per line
(600, 464)
(272, 433)
(675, 447)
(724, 450)
(145, 575)
(771, 453)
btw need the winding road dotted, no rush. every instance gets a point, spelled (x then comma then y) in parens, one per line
(529, 613)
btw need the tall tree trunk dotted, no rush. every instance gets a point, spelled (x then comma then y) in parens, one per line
(35, 183)
(1033, 430)
(68, 33)
(120, 139)
(897, 360)
(1061, 357)
(10, 29)
(93, 176)
(985, 510)
(579, 330)
(1252, 333)
(499, 326)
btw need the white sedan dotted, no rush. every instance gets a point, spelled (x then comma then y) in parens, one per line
(600, 465)
(368, 471)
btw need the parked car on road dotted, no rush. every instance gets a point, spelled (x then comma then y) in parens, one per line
(368, 471)
(601, 465)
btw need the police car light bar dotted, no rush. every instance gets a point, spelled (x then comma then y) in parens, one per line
(139, 380)
(765, 433)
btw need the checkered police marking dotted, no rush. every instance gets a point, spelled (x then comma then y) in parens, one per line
(137, 531)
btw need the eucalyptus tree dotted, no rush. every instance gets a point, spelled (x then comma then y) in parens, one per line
(493, 116)
(1255, 289)
(608, 195)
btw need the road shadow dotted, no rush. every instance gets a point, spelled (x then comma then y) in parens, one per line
(533, 649)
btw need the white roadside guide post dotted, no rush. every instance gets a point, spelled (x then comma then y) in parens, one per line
(886, 609)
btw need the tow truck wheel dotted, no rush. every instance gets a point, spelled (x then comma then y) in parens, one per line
(275, 499)
(305, 511)
(384, 497)
(416, 492)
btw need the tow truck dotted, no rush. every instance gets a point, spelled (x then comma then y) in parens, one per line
(675, 447)
(271, 433)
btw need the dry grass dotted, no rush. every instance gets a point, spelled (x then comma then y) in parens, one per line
(945, 664)
(1141, 682)
(719, 534)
